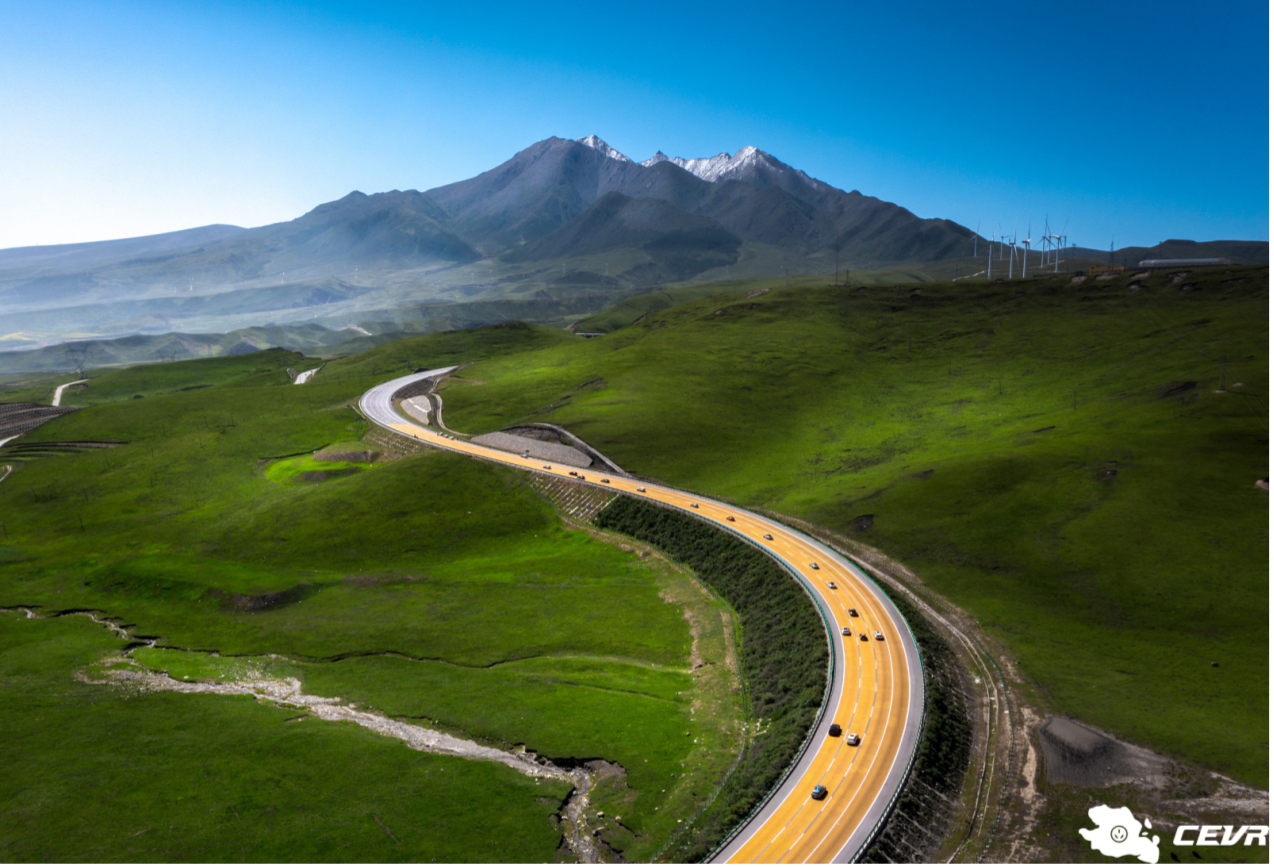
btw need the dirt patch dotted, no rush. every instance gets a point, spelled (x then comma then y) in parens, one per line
(1079, 755)
(1176, 278)
(266, 601)
(348, 457)
(324, 475)
(1075, 281)
(756, 293)
(862, 522)
(537, 447)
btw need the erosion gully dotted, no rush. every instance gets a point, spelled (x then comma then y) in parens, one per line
(579, 836)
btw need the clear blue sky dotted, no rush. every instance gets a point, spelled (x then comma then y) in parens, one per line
(1127, 121)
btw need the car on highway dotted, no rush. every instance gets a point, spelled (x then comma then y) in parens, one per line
(641, 490)
(813, 565)
(880, 636)
(831, 585)
(694, 505)
(819, 793)
(862, 636)
(605, 481)
(730, 518)
(573, 473)
(834, 730)
(767, 537)
(548, 466)
(853, 612)
(853, 740)
(845, 630)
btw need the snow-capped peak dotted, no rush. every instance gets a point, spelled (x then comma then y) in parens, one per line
(597, 144)
(724, 167)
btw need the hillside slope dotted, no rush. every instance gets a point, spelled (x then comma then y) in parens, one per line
(1050, 454)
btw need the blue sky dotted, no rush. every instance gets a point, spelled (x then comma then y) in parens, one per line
(1130, 122)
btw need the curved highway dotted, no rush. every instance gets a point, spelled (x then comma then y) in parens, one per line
(877, 684)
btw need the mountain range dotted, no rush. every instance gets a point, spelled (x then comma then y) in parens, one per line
(563, 222)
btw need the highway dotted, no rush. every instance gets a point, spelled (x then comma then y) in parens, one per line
(876, 689)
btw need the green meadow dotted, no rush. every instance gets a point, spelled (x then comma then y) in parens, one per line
(434, 589)
(1054, 455)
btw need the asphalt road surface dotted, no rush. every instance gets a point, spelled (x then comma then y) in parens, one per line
(876, 689)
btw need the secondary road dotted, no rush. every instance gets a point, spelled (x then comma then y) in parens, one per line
(57, 393)
(876, 689)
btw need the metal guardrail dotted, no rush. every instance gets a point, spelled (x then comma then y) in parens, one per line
(805, 585)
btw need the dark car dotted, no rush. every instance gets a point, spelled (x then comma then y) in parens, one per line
(767, 537)
(862, 636)
(819, 793)
(853, 612)
(833, 730)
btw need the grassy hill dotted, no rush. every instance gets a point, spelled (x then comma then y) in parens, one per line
(1052, 454)
(434, 589)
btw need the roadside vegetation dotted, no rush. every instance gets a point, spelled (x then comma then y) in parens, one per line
(433, 588)
(1053, 455)
(782, 653)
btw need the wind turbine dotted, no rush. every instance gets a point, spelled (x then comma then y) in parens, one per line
(988, 259)
(1012, 252)
(1027, 244)
(975, 237)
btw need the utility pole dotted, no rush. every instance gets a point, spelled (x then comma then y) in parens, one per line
(1221, 384)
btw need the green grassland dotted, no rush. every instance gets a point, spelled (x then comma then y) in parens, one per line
(1052, 456)
(94, 773)
(433, 587)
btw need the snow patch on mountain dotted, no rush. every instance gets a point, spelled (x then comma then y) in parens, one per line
(724, 167)
(597, 144)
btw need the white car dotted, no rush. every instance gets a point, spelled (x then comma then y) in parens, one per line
(641, 490)
(845, 630)
(853, 740)
(880, 636)
(548, 466)
(813, 565)
(831, 585)
(767, 537)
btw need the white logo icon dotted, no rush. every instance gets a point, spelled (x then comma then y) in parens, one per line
(1118, 833)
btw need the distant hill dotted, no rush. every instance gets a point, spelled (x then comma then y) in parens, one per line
(61, 256)
(1240, 252)
(564, 225)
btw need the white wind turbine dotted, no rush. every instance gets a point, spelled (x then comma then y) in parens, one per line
(1027, 246)
(989, 245)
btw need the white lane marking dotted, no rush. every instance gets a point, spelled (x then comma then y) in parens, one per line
(889, 709)
(822, 806)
